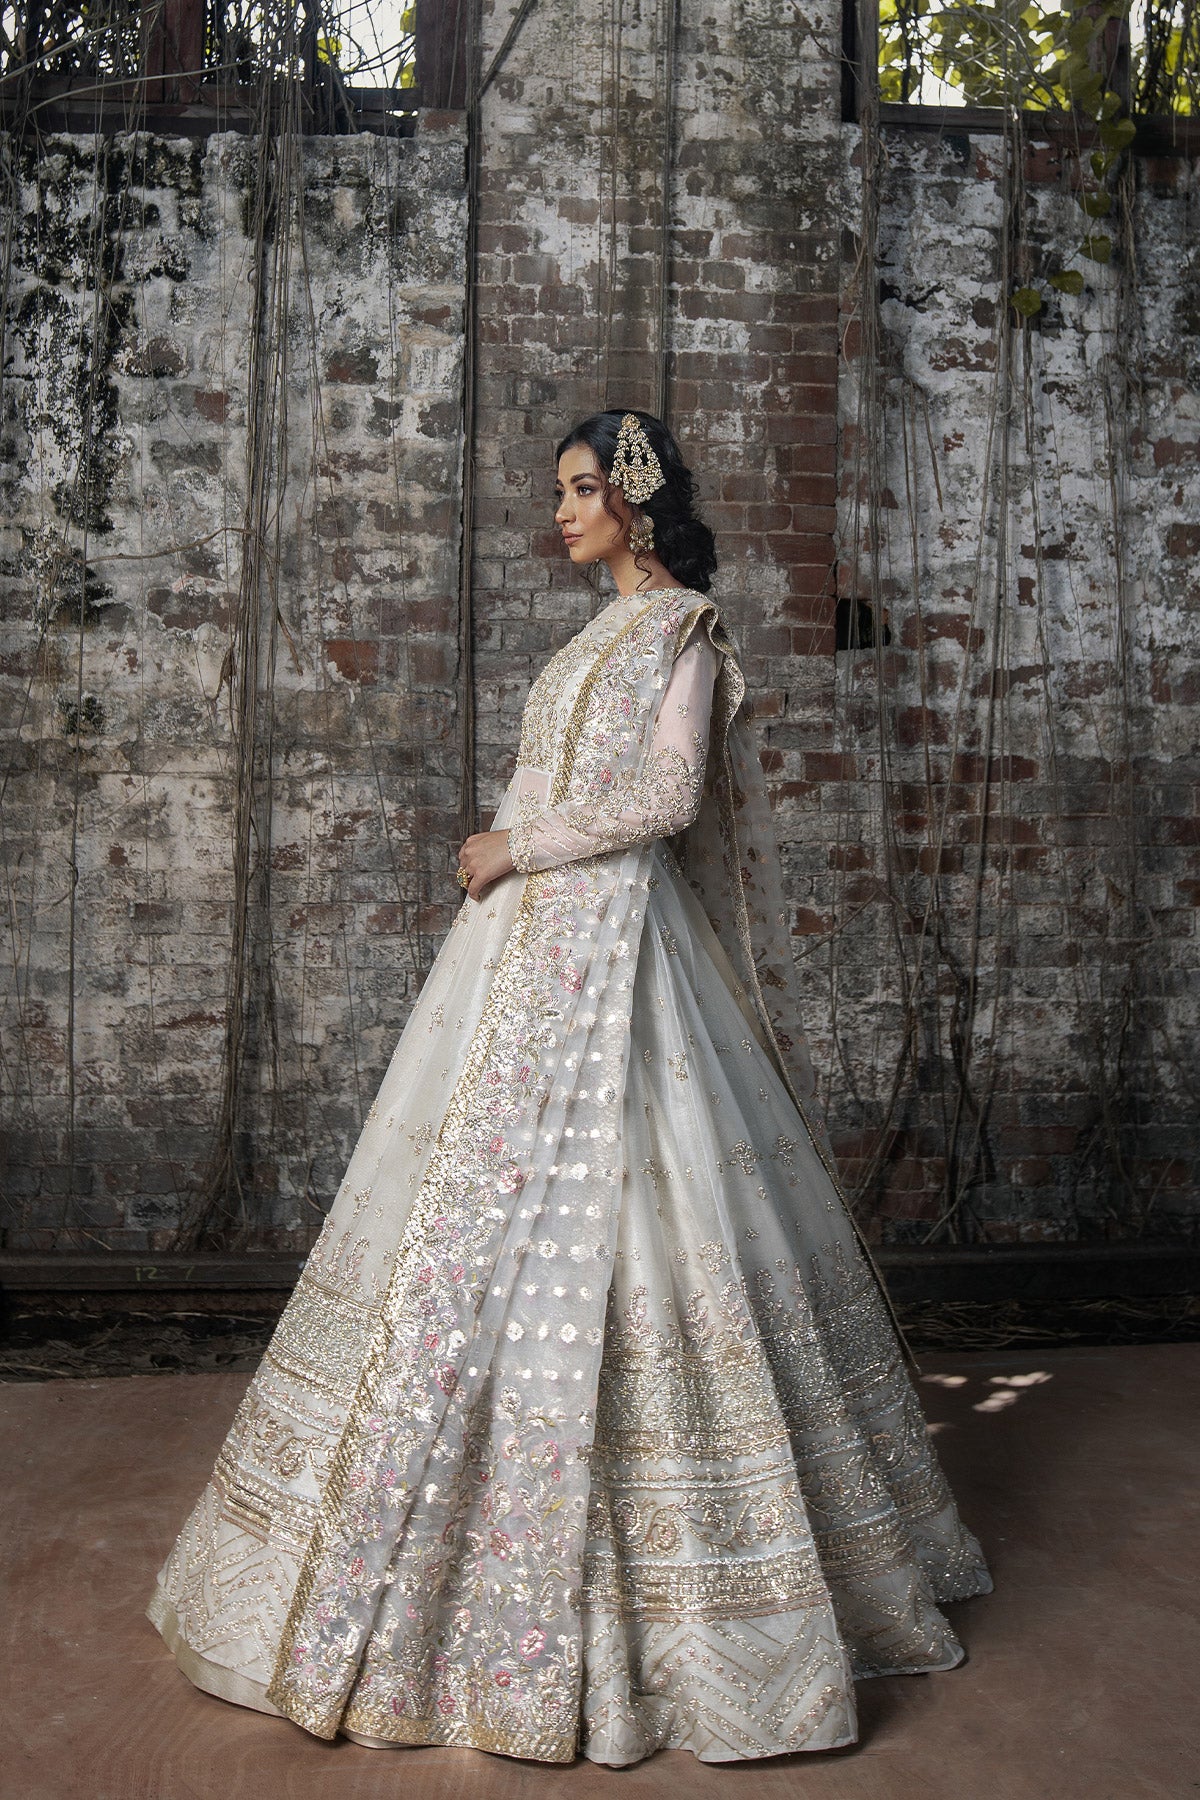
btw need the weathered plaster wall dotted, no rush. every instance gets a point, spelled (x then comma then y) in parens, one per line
(1028, 736)
(1045, 1095)
(1032, 732)
(130, 461)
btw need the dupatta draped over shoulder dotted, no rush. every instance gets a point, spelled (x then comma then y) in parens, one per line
(414, 1450)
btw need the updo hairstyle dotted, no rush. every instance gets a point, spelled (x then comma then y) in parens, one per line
(682, 541)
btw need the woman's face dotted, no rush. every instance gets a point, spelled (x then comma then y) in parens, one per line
(589, 531)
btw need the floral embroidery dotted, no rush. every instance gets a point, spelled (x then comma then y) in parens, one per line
(414, 1465)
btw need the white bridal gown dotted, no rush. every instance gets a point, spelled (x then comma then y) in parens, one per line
(752, 1514)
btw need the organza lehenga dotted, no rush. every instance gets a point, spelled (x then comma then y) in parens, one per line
(587, 1427)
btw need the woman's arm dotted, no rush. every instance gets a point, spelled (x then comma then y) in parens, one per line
(659, 801)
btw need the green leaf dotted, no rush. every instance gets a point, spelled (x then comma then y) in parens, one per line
(1067, 281)
(1027, 301)
(1110, 106)
(1118, 133)
(1096, 205)
(1099, 249)
(1076, 64)
(1102, 162)
(1087, 92)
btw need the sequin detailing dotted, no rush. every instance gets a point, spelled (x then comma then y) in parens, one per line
(558, 1442)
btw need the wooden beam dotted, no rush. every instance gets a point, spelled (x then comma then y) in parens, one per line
(941, 1272)
(174, 54)
(441, 39)
(1160, 134)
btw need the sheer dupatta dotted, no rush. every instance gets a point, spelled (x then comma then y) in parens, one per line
(730, 858)
(438, 1597)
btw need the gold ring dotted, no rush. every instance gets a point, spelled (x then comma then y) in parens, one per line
(463, 879)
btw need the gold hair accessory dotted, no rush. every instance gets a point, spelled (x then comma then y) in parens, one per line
(636, 469)
(641, 535)
(463, 878)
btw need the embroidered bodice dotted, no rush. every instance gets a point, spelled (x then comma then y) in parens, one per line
(658, 800)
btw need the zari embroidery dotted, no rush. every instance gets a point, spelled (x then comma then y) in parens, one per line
(457, 1504)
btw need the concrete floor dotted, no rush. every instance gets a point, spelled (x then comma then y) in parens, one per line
(1080, 1470)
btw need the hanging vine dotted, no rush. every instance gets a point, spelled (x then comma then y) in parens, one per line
(71, 303)
(956, 965)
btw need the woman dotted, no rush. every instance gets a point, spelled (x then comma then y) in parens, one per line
(587, 1426)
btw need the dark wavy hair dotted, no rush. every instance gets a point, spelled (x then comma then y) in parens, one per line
(682, 541)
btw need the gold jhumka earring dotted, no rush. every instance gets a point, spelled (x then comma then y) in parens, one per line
(641, 534)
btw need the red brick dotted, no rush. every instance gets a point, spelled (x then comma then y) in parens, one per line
(792, 429)
(920, 725)
(809, 488)
(699, 303)
(764, 517)
(212, 405)
(1168, 452)
(430, 662)
(850, 856)
(830, 765)
(814, 640)
(810, 398)
(771, 337)
(814, 548)
(933, 626)
(970, 767)
(809, 309)
(807, 923)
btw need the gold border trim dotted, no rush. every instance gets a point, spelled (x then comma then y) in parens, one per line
(453, 1122)
(468, 1733)
(574, 727)
(209, 1677)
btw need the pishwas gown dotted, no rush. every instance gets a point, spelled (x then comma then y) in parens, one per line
(587, 1427)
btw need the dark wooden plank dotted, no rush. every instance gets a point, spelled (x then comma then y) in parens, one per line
(1161, 135)
(22, 1273)
(441, 49)
(934, 1272)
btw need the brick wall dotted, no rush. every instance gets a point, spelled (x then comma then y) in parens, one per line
(992, 921)
(987, 831)
(571, 232)
(1012, 874)
(127, 469)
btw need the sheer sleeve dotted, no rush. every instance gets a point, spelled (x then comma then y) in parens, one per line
(661, 799)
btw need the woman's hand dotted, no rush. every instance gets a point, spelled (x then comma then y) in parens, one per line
(485, 858)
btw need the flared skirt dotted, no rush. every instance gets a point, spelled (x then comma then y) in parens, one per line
(767, 1518)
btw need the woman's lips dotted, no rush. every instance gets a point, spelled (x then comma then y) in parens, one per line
(571, 537)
